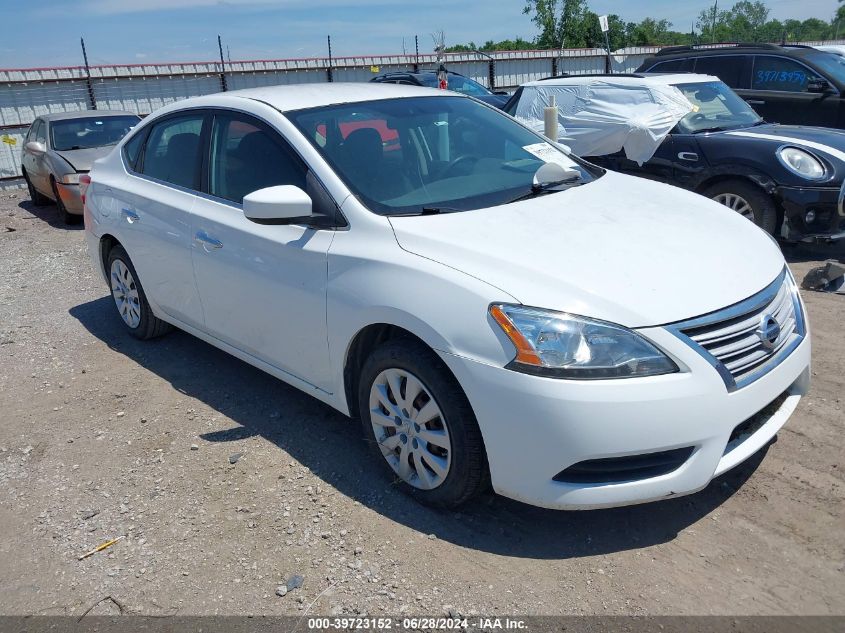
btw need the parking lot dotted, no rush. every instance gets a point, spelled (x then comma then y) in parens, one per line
(226, 482)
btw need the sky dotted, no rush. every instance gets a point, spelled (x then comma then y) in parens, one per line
(41, 33)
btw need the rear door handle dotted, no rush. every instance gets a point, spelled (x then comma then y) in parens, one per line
(207, 241)
(130, 215)
(691, 156)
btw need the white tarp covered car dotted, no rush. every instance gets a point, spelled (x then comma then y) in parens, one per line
(605, 114)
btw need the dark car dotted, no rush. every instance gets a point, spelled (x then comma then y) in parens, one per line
(784, 84)
(788, 179)
(455, 81)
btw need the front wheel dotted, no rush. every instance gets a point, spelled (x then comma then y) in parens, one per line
(64, 214)
(748, 200)
(129, 298)
(420, 424)
(38, 199)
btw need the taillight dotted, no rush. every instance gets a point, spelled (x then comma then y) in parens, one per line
(84, 181)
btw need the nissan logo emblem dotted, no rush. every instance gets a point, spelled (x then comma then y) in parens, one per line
(768, 332)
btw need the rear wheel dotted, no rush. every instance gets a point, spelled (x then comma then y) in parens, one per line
(420, 424)
(748, 200)
(38, 199)
(129, 298)
(64, 214)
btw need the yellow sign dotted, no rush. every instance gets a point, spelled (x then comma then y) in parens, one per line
(8, 140)
(374, 69)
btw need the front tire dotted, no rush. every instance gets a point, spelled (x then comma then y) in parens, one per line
(38, 199)
(129, 298)
(748, 200)
(64, 215)
(420, 425)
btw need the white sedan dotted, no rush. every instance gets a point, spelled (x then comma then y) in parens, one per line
(493, 309)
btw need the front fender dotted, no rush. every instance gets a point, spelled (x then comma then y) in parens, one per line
(445, 308)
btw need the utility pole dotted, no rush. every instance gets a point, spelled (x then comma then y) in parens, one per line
(222, 65)
(417, 54)
(91, 98)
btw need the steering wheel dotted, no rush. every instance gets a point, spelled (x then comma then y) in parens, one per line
(465, 159)
(698, 116)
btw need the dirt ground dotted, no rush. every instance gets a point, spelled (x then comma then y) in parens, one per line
(104, 436)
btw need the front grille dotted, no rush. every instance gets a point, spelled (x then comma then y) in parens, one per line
(742, 341)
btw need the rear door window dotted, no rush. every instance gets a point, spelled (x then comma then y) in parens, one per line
(173, 149)
(673, 66)
(729, 68)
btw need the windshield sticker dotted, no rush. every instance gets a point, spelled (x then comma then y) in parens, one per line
(548, 153)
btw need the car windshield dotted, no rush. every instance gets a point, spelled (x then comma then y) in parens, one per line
(88, 132)
(429, 154)
(456, 83)
(715, 107)
(833, 65)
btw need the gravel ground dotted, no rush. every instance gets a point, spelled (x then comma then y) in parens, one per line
(226, 484)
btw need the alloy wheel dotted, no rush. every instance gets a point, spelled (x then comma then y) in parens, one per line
(410, 429)
(737, 203)
(125, 293)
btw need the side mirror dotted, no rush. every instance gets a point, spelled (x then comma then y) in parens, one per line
(818, 85)
(283, 204)
(35, 147)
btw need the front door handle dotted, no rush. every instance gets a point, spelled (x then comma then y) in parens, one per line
(755, 102)
(207, 241)
(691, 156)
(130, 215)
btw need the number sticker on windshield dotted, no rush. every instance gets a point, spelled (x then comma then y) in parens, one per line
(548, 153)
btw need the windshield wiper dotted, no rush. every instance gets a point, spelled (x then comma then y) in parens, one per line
(537, 188)
(439, 210)
(705, 130)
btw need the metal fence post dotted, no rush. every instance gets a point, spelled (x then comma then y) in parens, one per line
(491, 73)
(91, 96)
(329, 71)
(417, 57)
(223, 83)
(554, 66)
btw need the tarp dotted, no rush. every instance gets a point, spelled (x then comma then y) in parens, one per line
(599, 116)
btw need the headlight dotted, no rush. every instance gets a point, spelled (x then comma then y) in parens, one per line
(802, 163)
(70, 179)
(567, 346)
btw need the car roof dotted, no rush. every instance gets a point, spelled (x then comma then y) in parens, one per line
(315, 95)
(795, 50)
(84, 114)
(639, 79)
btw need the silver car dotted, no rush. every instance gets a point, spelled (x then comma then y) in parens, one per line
(60, 147)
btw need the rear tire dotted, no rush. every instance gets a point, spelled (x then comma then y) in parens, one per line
(38, 199)
(64, 215)
(420, 425)
(748, 200)
(129, 298)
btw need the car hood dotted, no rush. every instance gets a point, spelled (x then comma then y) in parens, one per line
(83, 159)
(620, 249)
(828, 141)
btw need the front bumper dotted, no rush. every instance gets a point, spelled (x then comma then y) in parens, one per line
(535, 427)
(70, 198)
(826, 203)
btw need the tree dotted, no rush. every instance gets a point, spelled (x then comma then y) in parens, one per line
(561, 22)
